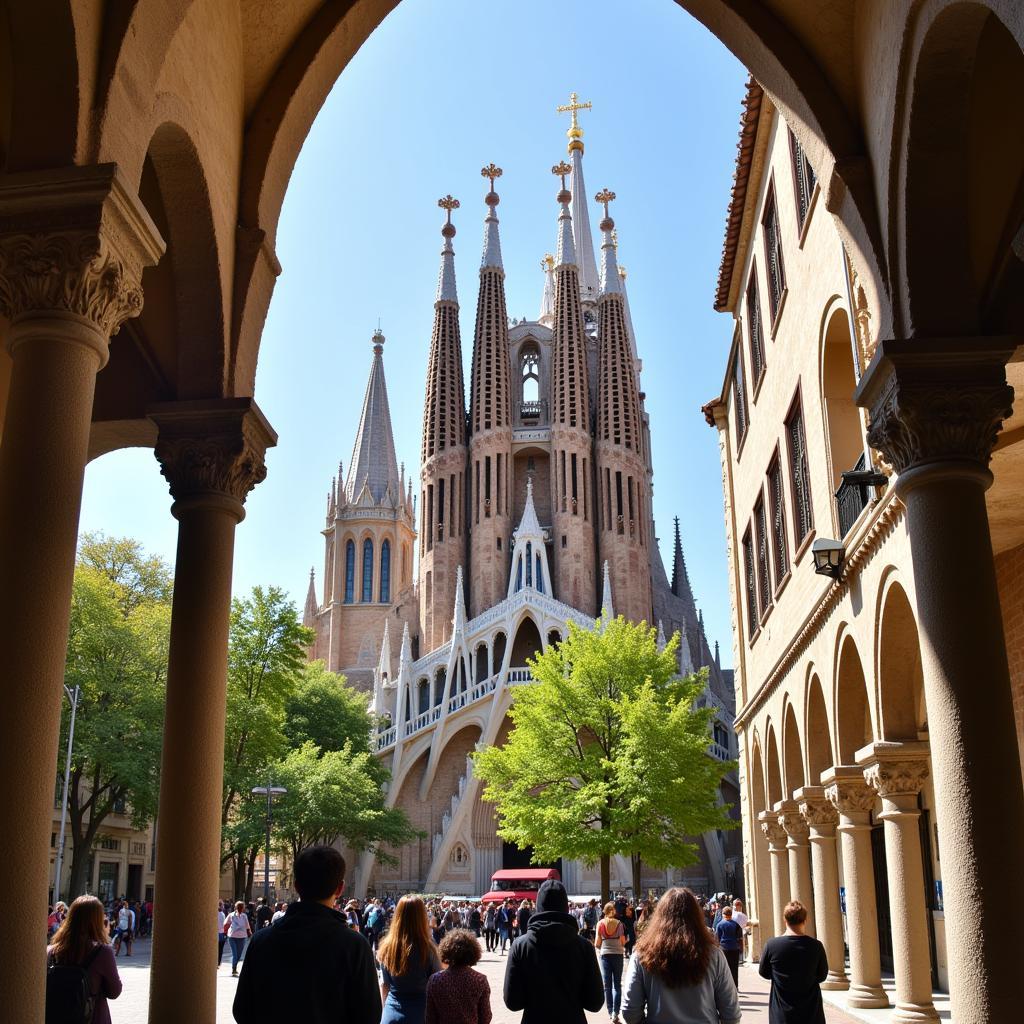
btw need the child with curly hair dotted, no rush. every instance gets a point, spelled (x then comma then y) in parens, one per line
(458, 994)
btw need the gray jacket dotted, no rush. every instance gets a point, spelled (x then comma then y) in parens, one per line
(713, 1001)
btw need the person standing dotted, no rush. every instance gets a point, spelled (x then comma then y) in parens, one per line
(505, 917)
(678, 975)
(408, 957)
(489, 927)
(310, 967)
(221, 935)
(742, 920)
(629, 924)
(263, 914)
(590, 918)
(458, 994)
(523, 917)
(551, 973)
(237, 928)
(797, 965)
(730, 938)
(125, 928)
(475, 920)
(81, 944)
(611, 943)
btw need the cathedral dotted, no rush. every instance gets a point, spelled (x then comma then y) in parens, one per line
(533, 509)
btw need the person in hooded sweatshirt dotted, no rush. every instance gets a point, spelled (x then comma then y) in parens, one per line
(552, 973)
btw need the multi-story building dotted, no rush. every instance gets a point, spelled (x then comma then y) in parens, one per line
(534, 509)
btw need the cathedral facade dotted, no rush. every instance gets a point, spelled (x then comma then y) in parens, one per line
(534, 509)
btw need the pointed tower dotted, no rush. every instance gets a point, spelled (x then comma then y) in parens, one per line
(680, 577)
(547, 299)
(589, 284)
(622, 481)
(443, 479)
(309, 612)
(490, 423)
(529, 556)
(571, 452)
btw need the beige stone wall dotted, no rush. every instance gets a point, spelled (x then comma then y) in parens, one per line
(1010, 574)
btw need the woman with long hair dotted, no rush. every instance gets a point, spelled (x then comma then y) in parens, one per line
(678, 974)
(408, 957)
(610, 943)
(82, 941)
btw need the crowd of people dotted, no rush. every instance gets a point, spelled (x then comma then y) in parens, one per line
(411, 960)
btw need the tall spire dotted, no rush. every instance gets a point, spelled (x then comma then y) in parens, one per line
(459, 615)
(680, 577)
(607, 609)
(583, 240)
(565, 254)
(373, 464)
(529, 555)
(492, 244)
(547, 301)
(446, 291)
(309, 612)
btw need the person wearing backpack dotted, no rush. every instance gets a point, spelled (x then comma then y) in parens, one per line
(81, 972)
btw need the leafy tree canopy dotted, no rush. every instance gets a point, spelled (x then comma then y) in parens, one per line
(323, 709)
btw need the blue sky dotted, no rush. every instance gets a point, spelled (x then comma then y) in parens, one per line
(440, 89)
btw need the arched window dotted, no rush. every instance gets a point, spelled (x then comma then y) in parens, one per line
(385, 572)
(367, 570)
(539, 576)
(350, 572)
(529, 365)
(529, 564)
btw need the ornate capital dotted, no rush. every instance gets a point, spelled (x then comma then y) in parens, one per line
(937, 400)
(849, 796)
(795, 827)
(819, 811)
(212, 448)
(896, 778)
(773, 832)
(74, 240)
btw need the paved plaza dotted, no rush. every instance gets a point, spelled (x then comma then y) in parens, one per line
(131, 1008)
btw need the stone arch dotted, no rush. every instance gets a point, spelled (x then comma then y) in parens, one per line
(853, 713)
(499, 645)
(527, 642)
(792, 753)
(901, 704)
(967, 72)
(843, 427)
(757, 784)
(554, 637)
(818, 739)
(773, 766)
(480, 659)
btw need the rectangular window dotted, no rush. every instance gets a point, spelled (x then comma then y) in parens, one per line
(477, 505)
(739, 394)
(430, 517)
(487, 486)
(755, 331)
(440, 509)
(618, 502)
(777, 501)
(774, 267)
(750, 584)
(564, 491)
(804, 180)
(632, 516)
(764, 580)
(575, 495)
(586, 480)
(608, 498)
(498, 484)
(799, 474)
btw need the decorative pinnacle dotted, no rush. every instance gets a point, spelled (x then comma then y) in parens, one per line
(378, 342)
(560, 170)
(575, 132)
(605, 196)
(448, 203)
(492, 172)
(548, 263)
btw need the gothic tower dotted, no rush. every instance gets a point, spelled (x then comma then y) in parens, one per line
(443, 455)
(622, 478)
(490, 424)
(571, 454)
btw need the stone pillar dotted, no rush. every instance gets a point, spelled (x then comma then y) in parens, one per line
(799, 853)
(211, 453)
(822, 818)
(896, 771)
(73, 244)
(936, 408)
(776, 836)
(846, 790)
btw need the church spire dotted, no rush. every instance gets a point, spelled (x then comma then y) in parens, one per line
(680, 577)
(547, 301)
(583, 241)
(373, 464)
(309, 612)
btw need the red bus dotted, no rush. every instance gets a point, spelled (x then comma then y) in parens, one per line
(518, 884)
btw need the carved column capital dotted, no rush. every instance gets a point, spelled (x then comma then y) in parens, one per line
(846, 790)
(819, 813)
(773, 831)
(74, 241)
(212, 450)
(792, 822)
(936, 401)
(894, 769)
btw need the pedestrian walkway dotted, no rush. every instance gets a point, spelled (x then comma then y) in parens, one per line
(132, 1007)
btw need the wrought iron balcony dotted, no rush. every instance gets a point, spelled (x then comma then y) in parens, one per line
(855, 492)
(532, 410)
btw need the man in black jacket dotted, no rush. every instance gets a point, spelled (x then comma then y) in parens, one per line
(552, 973)
(310, 967)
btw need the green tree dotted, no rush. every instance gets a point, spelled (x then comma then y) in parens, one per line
(325, 710)
(266, 655)
(607, 754)
(117, 655)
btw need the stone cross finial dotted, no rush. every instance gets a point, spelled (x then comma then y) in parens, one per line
(571, 108)
(561, 170)
(491, 172)
(448, 203)
(605, 196)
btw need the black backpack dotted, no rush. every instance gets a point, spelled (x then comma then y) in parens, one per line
(69, 998)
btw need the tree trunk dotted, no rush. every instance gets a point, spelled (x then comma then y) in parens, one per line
(77, 883)
(237, 875)
(250, 870)
(637, 875)
(606, 878)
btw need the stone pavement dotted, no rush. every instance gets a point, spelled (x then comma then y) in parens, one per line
(132, 1007)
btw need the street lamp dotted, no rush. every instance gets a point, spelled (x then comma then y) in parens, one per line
(73, 696)
(828, 557)
(269, 792)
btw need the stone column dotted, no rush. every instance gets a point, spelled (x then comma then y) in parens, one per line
(211, 453)
(776, 836)
(73, 244)
(822, 818)
(936, 408)
(896, 771)
(799, 853)
(846, 790)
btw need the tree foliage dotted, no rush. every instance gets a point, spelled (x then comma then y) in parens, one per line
(117, 655)
(608, 754)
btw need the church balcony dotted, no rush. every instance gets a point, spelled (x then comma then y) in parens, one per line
(533, 410)
(855, 493)
(517, 676)
(719, 752)
(387, 738)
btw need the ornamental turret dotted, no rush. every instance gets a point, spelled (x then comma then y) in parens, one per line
(622, 479)
(571, 455)
(443, 479)
(490, 422)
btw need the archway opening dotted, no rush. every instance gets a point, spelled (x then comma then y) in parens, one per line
(901, 681)
(819, 743)
(842, 417)
(775, 791)
(792, 755)
(527, 642)
(853, 714)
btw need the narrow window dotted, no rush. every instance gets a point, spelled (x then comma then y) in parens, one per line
(385, 572)
(574, 484)
(632, 517)
(563, 480)
(799, 475)
(497, 511)
(539, 576)
(350, 572)
(776, 497)
(774, 266)
(477, 505)
(751, 586)
(739, 395)
(430, 517)
(367, 570)
(586, 480)
(440, 509)
(529, 564)
(804, 180)
(451, 505)
(487, 486)
(764, 580)
(618, 501)
(755, 331)
(608, 497)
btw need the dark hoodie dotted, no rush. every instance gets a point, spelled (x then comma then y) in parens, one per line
(552, 973)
